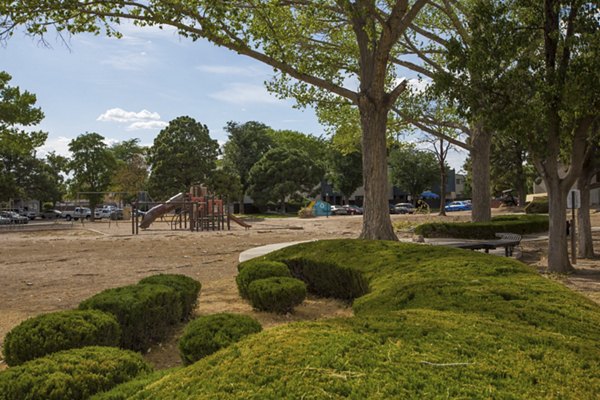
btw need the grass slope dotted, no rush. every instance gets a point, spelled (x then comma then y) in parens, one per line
(435, 323)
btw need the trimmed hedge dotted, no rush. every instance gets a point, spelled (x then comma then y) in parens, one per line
(187, 288)
(259, 270)
(519, 224)
(126, 390)
(276, 294)
(145, 312)
(49, 333)
(71, 374)
(539, 205)
(206, 335)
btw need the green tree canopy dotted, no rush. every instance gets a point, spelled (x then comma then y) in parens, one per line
(345, 170)
(131, 175)
(283, 172)
(92, 164)
(183, 154)
(246, 144)
(413, 170)
(17, 146)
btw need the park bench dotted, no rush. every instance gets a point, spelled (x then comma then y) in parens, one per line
(507, 240)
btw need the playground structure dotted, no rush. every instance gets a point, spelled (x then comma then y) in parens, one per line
(197, 210)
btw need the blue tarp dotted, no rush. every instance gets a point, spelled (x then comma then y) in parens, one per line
(429, 195)
(322, 209)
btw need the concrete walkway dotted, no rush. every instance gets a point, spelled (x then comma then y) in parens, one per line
(262, 250)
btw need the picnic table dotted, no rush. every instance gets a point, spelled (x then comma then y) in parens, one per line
(507, 240)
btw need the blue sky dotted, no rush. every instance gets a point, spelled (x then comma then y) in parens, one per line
(131, 87)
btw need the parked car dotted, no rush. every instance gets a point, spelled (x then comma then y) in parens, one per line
(4, 220)
(14, 217)
(458, 206)
(50, 214)
(78, 212)
(27, 213)
(404, 208)
(338, 210)
(104, 212)
(353, 210)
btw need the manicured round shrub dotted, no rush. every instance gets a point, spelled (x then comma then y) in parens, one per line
(277, 294)
(49, 333)
(71, 374)
(259, 270)
(187, 288)
(145, 312)
(205, 335)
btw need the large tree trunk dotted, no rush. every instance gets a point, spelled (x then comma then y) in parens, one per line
(558, 254)
(377, 224)
(442, 188)
(584, 225)
(480, 157)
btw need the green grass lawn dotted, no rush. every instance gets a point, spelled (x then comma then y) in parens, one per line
(430, 322)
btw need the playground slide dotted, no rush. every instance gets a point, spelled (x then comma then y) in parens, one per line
(239, 221)
(161, 209)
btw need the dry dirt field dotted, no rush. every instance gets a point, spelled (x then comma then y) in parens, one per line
(44, 271)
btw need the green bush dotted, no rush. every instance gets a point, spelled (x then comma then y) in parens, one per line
(259, 270)
(206, 335)
(436, 322)
(539, 205)
(49, 333)
(519, 224)
(126, 390)
(276, 294)
(71, 374)
(144, 312)
(187, 288)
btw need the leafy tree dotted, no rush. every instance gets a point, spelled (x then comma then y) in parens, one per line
(345, 170)
(246, 144)
(92, 164)
(17, 146)
(225, 183)
(131, 175)
(280, 173)
(315, 46)
(551, 96)
(413, 170)
(183, 154)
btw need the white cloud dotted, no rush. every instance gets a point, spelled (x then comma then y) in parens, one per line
(128, 61)
(147, 125)
(231, 70)
(245, 94)
(137, 120)
(59, 144)
(120, 115)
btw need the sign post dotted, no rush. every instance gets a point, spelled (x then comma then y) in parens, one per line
(573, 202)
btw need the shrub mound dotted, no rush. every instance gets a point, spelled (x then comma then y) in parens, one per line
(433, 322)
(145, 312)
(49, 333)
(71, 374)
(539, 205)
(520, 224)
(259, 270)
(206, 335)
(276, 294)
(187, 288)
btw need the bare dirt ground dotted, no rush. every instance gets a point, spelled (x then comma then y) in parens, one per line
(45, 271)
